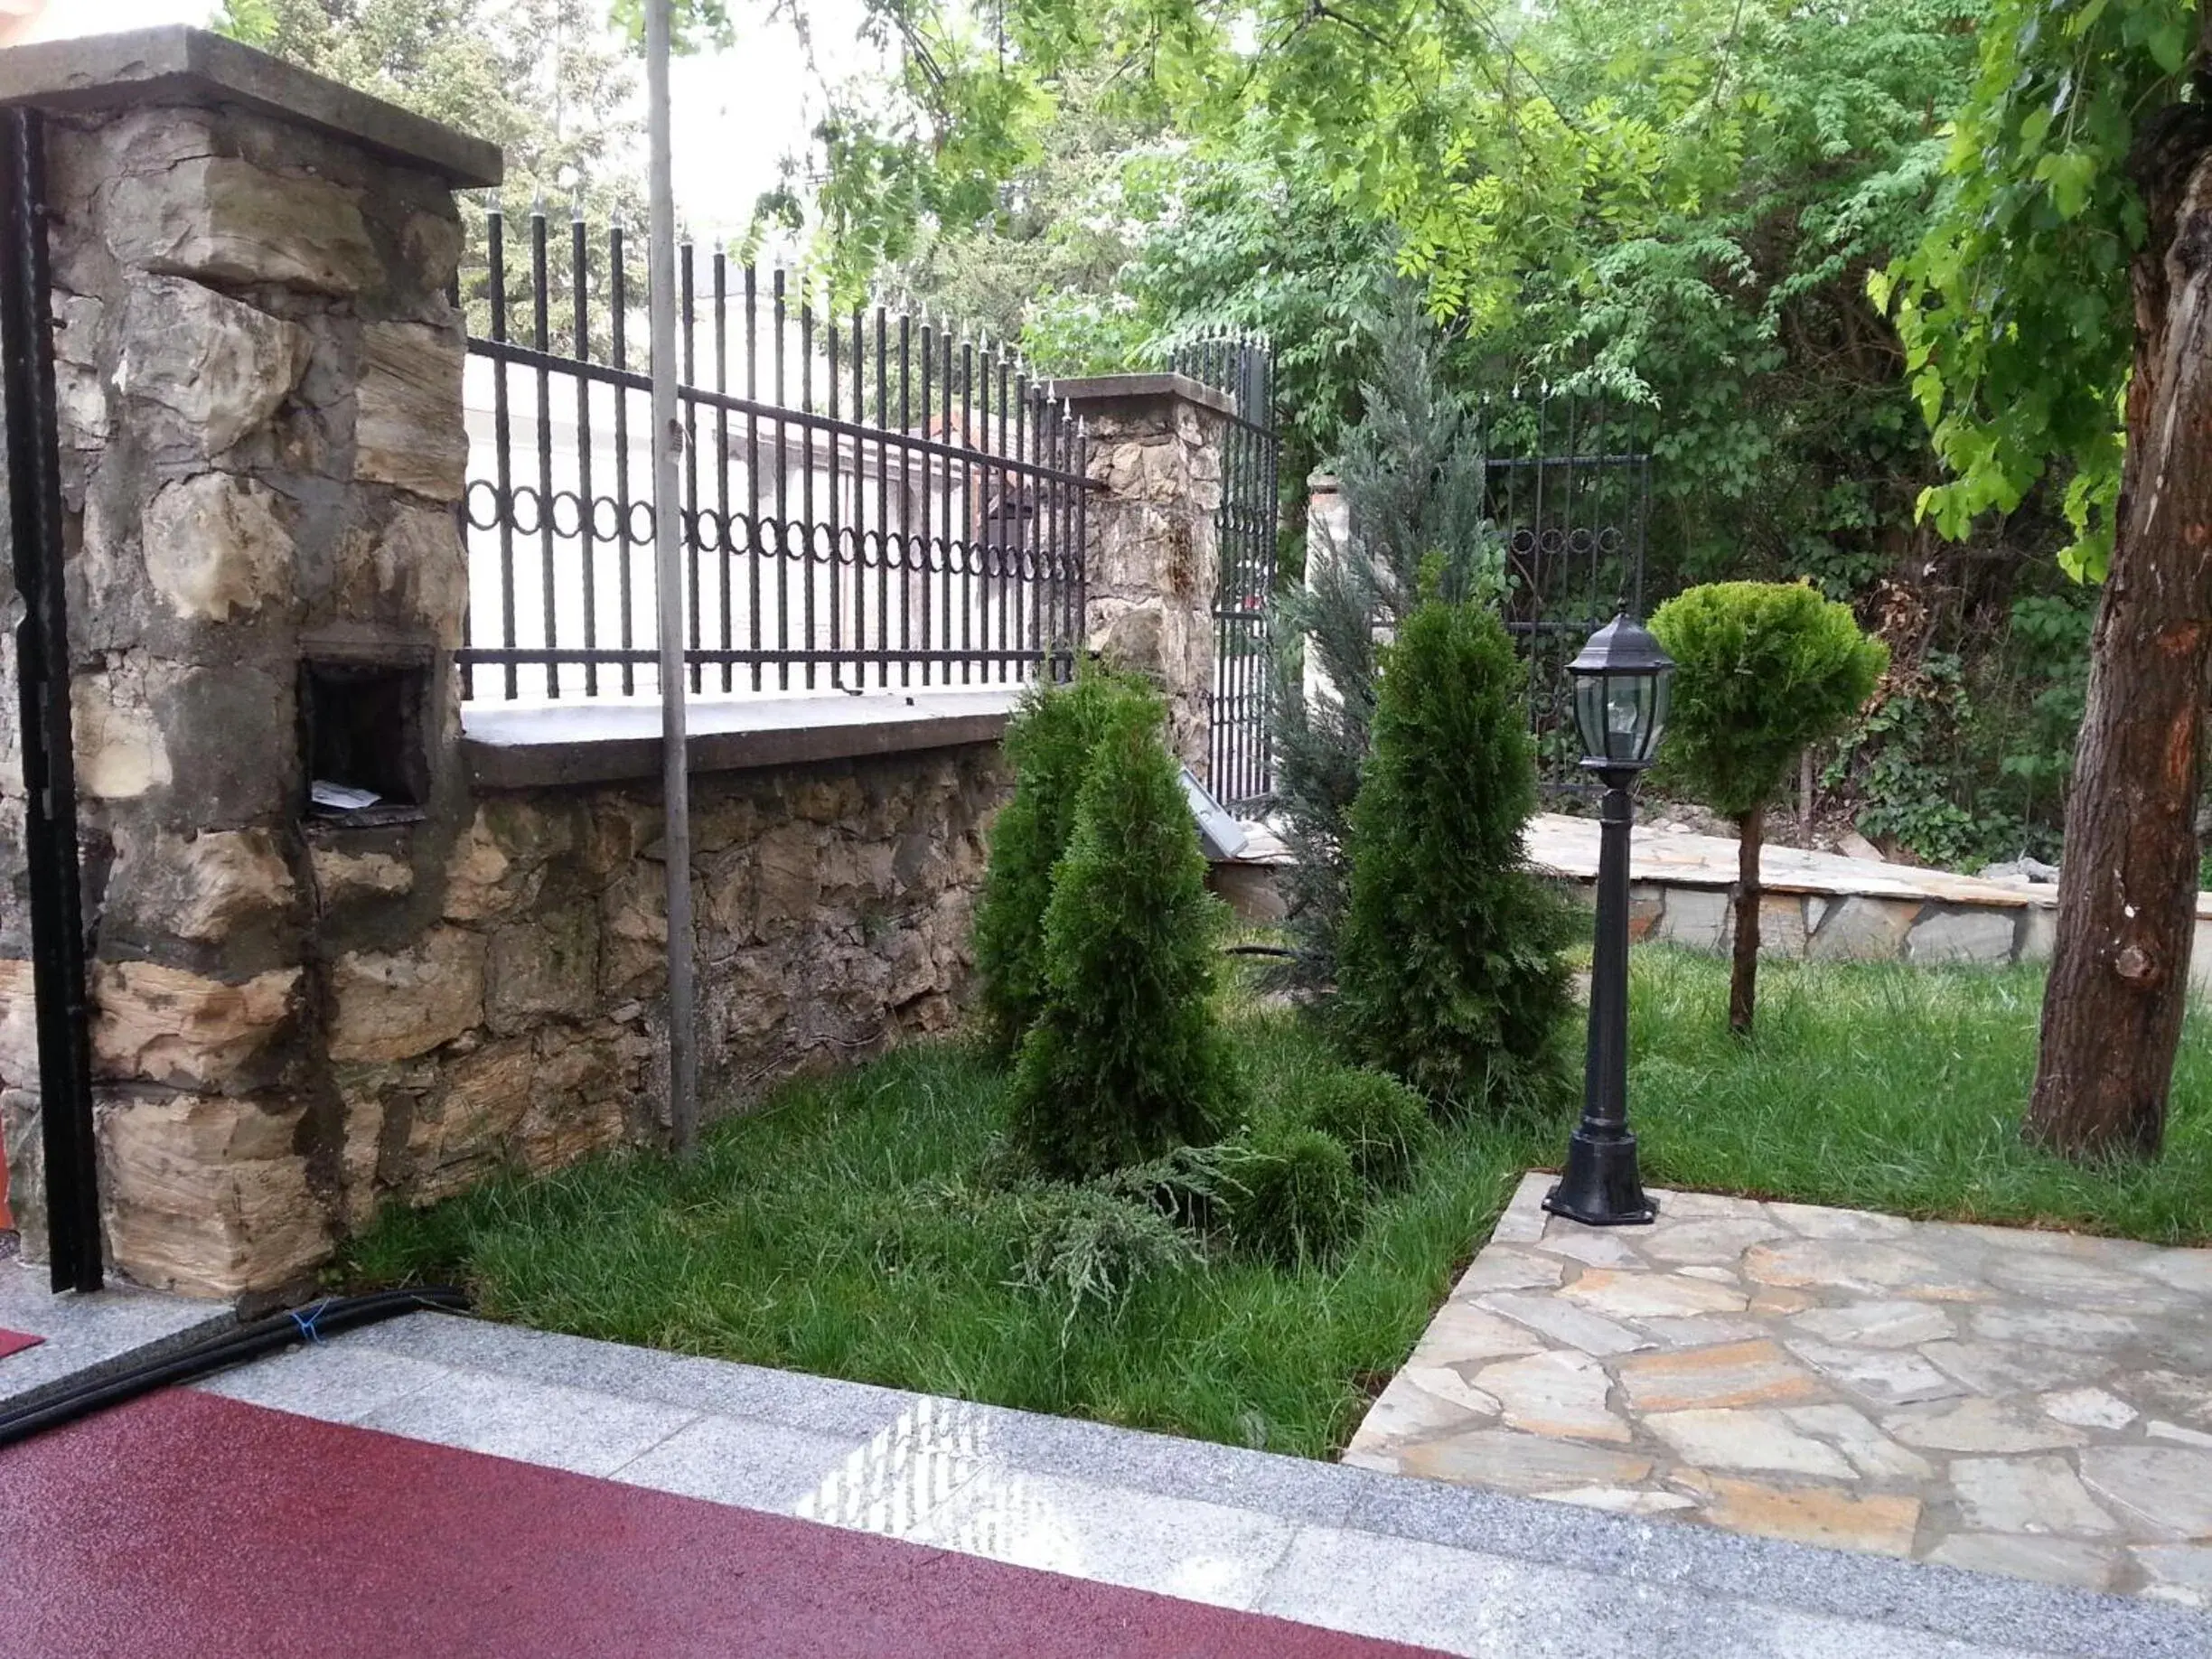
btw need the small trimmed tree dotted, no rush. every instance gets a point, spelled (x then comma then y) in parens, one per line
(1448, 970)
(1048, 744)
(1126, 1060)
(1761, 670)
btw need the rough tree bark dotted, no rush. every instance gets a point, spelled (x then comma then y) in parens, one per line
(2127, 887)
(1743, 972)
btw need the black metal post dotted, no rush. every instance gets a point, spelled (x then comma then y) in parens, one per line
(42, 678)
(1601, 1186)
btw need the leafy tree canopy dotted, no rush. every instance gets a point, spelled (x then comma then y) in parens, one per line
(1761, 670)
(2016, 310)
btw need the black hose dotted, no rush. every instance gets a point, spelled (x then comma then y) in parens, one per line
(1256, 950)
(219, 1351)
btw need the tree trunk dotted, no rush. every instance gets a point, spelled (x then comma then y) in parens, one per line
(2127, 885)
(1743, 974)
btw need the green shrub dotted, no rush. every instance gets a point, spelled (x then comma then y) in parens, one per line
(1297, 1197)
(1377, 1119)
(1126, 1060)
(1048, 744)
(1191, 1185)
(1450, 973)
(1761, 670)
(1087, 1247)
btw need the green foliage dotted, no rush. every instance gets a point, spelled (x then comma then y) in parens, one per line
(1871, 1086)
(1300, 1197)
(1086, 1248)
(1125, 1059)
(1672, 203)
(1048, 744)
(1963, 760)
(1383, 1124)
(1906, 753)
(1762, 669)
(1415, 489)
(1189, 1185)
(2016, 310)
(1449, 974)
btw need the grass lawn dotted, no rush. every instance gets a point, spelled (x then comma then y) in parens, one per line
(846, 1228)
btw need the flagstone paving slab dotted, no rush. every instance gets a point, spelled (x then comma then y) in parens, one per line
(2036, 1404)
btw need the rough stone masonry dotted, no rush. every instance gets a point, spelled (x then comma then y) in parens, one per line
(259, 376)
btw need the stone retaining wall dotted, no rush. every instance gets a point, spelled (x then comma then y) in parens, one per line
(1852, 927)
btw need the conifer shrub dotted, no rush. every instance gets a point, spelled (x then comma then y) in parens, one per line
(1048, 744)
(1127, 1059)
(1417, 493)
(1378, 1121)
(1761, 670)
(1449, 974)
(1296, 1198)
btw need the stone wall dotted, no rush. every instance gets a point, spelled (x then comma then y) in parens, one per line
(299, 1015)
(1152, 546)
(523, 1021)
(254, 350)
(1873, 927)
(1858, 927)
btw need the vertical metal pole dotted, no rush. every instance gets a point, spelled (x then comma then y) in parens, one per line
(667, 522)
(42, 678)
(579, 296)
(1601, 1186)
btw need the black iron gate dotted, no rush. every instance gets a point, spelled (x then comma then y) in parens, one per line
(1241, 756)
(1570, 484)
(33, 482)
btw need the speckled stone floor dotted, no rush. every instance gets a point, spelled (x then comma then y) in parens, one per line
(2032, 1403)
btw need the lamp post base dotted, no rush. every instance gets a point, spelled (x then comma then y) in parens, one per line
(1601, 1186)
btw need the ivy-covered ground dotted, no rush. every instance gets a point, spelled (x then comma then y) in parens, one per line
(866, 1225)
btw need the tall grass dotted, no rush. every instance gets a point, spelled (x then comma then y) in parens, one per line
(1885, 1087)
(846, 1227)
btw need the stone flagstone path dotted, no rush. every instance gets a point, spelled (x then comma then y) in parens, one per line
(2022, 1402)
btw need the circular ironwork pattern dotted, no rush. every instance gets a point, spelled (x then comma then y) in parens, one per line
(521, 509)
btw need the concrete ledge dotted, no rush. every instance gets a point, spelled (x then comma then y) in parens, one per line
(195, 66)
(1456, 1569)
(541, 747)
(1091, 391)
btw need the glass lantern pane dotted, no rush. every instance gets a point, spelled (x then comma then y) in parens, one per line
(1590, 713)
(1626, 714)
(1662, 691)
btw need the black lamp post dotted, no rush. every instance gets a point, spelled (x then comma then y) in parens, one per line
(1620, 696)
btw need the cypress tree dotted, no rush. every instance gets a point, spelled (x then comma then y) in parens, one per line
(1048, 744)
(1414, 485)
(1126, 1060)
(1449, 971)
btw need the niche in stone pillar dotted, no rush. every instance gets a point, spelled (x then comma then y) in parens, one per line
(364, 736)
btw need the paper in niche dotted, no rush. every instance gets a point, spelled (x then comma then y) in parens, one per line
(340, 797)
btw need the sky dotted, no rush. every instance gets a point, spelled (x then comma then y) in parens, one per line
(733, 114)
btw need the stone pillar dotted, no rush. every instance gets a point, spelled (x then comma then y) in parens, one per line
(1152, 558)
(259, 376)
(1328, 530)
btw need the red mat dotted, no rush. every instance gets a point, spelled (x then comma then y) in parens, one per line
(187, 1525)
(15, 1342)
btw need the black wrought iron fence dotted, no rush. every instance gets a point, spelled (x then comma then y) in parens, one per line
(1240, 756)
(865, 502)
(1569, 486)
